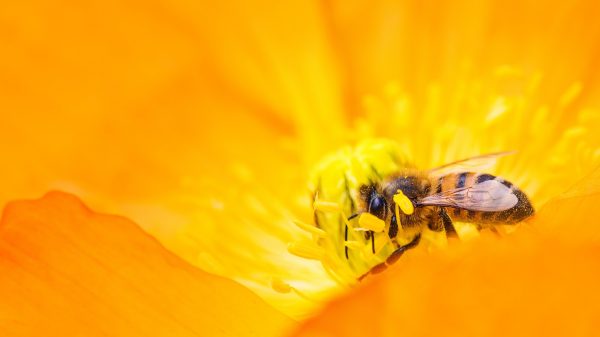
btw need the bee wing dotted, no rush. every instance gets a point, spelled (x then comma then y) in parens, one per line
(487, 196)
(473, 164)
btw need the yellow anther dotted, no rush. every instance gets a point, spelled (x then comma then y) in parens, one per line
(306, 251)
(311, 229)
(405, 204)
(354, 245)
(279, 286)
(326, 206)
(371, 222)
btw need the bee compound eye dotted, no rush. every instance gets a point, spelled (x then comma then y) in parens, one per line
(377, 205)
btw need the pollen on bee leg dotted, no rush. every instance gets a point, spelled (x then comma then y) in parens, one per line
(404, 203)
(306, 251)
(398, 221)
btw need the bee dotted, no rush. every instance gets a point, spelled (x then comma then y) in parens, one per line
(410, 201)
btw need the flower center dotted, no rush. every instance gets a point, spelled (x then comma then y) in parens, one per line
(347, 239)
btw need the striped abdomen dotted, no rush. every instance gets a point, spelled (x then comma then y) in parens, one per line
(468, 182)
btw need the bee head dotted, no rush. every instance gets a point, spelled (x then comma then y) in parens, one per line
(377, 205)
(374, 201)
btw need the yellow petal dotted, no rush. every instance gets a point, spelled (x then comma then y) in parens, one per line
(69, 271)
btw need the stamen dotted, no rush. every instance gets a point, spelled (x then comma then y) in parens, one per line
(285, 288)
(405, 204)
(303, 295)
(341, 276)
(326, 206)
(281, 287)
(311, 229)
(370, 222)
(306, 251)
(354, 245)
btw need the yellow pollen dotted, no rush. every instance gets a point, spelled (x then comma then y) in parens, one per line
(397, 211)
(404, 203)
(371, 222)
(306, 251)
(285, 288)
(311, 229)
(354, 245)
(326, 206)
(281, 287)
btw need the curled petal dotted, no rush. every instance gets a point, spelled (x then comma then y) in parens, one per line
(69, 271)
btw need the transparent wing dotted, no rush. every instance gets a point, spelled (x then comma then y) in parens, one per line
(488, 196)
(473, 164)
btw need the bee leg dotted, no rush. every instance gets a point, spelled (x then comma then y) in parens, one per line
(393, 257)
(373, 241)
(495, 231)
(400, 250)
(448, 226)
(435, 224)
(346, 240)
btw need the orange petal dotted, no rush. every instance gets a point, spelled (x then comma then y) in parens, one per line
(179, 90)
(416, 43)
(69, 271)
(526, 284)
(574, 218)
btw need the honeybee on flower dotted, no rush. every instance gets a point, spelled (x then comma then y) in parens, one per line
(380, 205)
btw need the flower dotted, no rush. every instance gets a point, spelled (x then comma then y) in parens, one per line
(201, 122)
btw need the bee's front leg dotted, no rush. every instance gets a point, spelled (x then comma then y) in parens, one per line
(393, 257)
(400, 250)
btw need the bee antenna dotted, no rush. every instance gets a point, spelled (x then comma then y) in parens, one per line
(354, 216)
